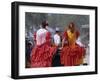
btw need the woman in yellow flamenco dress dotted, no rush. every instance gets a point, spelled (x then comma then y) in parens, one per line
(72, 54)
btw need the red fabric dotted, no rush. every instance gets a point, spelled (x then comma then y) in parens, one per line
(65, 36)
(70, 56)
(48, 38)
(41, 56)
(34, 35)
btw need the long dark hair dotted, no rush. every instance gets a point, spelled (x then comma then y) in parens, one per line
(71, 26)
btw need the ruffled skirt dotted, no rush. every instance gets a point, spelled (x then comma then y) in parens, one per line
(72, 56)
(41, 56)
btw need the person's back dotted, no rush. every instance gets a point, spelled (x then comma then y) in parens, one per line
(42, 53)
(57, 40)
(41, 36)
(73, 53)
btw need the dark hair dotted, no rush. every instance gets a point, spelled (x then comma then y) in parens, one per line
(72, 27)
(72, 23)
(57, 31)
(44, 24)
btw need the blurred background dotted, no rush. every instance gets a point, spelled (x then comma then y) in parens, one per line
(33, 23)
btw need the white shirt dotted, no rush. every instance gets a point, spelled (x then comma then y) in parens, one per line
(57, 39)
(41, 36)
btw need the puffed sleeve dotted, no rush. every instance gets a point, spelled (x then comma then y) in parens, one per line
(48, 36)
(65, 36)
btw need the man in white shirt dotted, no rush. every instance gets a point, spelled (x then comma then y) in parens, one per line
(57, 38)
(57, 42)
